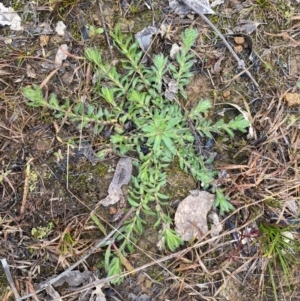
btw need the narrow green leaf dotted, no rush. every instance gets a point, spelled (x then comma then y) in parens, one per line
(169, 144)
(132, 202)
(101, 227)
(157, 143)
(162, 196)
(107, 257)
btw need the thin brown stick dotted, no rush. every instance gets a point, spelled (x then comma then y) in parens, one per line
(26, 187)
(46, 80)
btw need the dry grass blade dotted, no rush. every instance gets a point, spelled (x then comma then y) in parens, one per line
(26, 187)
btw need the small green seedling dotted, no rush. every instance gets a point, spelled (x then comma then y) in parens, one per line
(41, 232)
(94, 31)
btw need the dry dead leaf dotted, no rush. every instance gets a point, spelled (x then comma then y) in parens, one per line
(61, 55)
(247, 26)
(174, 50)
(121, 177)
(180, 8)
(238, 48)
(172, 90)
(145, 36)
(97, 294)
(3, 72)
(53, 293)
(18, 80)
(226, 94)
(169, 95)
(293, 206)
(10, 18)
(86, 150)
(74, 278)
(216, 227)
(44, 40)
(173, 86)
(239, 40)
(30, 71)
(216, 68)
(191, 215)
(60, 28)
(216, 3)
(7, 41)
(292, 99)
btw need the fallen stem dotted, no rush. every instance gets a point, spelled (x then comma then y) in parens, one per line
(26, 187)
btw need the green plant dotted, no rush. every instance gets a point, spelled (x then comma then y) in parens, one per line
(133, 6)
(263, 3)
(94, 31)
(41, 232)
(279, 247)
(162, 131)
(67, 242)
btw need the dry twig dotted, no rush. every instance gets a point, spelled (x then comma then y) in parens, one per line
(26, 187)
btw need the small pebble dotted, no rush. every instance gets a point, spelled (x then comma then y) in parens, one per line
(238, 48)
(239, 40)
(44, 39)
(226, 94)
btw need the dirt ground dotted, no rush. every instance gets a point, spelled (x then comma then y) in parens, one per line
(49, 188)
